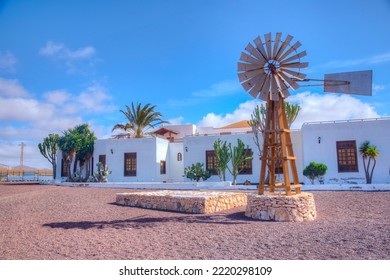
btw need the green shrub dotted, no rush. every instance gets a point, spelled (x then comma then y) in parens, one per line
(196, 172)
(315, 170)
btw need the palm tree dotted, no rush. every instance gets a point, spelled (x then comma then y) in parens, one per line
(139, 120)
(369, 154)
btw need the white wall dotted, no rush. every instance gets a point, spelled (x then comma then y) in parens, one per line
(375, 131)
(149, 153)
(198, 145)
(175, 168)
(296, 139)
(161, 154)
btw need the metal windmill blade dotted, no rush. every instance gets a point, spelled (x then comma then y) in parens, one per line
(270, 67)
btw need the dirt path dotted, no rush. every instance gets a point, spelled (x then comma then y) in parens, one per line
(51, 222)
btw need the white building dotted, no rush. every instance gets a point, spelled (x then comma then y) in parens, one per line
(164, 157)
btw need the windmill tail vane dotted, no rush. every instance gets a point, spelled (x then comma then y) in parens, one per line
(269, 68)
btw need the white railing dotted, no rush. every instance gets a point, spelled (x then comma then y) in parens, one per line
(347, 121)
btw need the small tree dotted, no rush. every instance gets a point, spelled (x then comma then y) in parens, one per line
(77, 143)
(315, 170)
(196, 172)
(369, 154)
(222, 155)
(49, 149)
(257, 123)
(238, 158)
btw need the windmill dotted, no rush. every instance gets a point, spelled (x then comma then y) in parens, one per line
(267, 70)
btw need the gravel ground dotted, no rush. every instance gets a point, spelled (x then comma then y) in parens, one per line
(52, 222)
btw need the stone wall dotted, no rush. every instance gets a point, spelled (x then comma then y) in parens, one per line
(183, 201)
(281, 208)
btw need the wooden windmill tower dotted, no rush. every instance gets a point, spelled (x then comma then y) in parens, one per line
(267, 70)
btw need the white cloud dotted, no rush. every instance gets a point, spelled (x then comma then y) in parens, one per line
(378, 87)
(73, 59)
(243, 112)
(57, 97)
(7, 62)
(175, 121)
(380, 58)
(330, 107)
(95, 99)
(26, 117)
(24, 110)
(52, 49)
(314, 107)
(11, 88)
(83, 53)
(58, 50)
(375, 59)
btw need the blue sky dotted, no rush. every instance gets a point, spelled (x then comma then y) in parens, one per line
(63, 63)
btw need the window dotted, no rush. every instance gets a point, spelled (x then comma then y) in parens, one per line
(347, 156)
(102, 159)
(130, 164)
(163, 167)
(246, 165)
(211, 162)
(179, 157)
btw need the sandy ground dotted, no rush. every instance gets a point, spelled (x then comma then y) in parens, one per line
(52, 222)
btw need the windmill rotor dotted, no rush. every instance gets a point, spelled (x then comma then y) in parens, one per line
(267, 69)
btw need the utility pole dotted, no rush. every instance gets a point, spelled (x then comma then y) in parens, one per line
(21, 157)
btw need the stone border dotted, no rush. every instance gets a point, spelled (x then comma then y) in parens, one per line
(201, 202)
(281, 208)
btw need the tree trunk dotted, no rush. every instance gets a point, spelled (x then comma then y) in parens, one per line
(87, 169)
(372, 171)
(54, 170)
(75, 165)
(366, 170)
(68, 169)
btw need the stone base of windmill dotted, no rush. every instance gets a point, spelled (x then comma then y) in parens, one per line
(281, 208)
